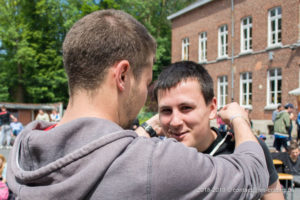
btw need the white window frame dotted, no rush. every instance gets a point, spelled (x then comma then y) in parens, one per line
(277, 18)
(246, 82)
(202, 54)
(185, 49)
(222, 97)
(246, 39)
(223, 47)
(275, 78)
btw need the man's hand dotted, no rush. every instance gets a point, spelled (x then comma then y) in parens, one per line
(237, 118)
(154, 123)
(232, 111)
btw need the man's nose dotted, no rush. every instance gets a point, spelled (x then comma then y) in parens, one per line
(176, 120)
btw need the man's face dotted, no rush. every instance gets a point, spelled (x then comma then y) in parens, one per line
(138, 94)
(294, 154)
(184, 114)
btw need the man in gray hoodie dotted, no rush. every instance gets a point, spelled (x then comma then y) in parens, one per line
(89, 154)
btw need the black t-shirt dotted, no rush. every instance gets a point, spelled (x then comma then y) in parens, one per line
(4, 118)
(227, 147)
(290, 167)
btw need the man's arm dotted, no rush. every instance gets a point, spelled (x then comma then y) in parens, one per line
(274, 192)
(236, 117)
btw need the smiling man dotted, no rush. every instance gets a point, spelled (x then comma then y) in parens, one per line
(186, 104)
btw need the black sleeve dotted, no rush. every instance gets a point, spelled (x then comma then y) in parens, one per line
(269, 160)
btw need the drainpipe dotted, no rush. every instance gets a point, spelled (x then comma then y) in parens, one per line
(232, 50)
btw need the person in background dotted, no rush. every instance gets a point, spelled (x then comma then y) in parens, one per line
(42, 116)
(291, 161)
(16, 126)
(4, 191)
(5, 118)
(54, 116)
(186, 104)
(275, 112)
(221, 124)
(282, 126)
(298, 127)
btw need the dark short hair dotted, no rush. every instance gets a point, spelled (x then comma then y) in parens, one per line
(98, 41)
(288, 105)
(293, 146)
(183, 70)
(279, 106)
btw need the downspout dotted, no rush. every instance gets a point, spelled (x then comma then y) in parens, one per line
(232, 50)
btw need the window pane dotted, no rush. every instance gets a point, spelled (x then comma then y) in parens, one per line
(278, 72)
(273, 13)
(273, 86)
(279, 85)
(279, 37)
(272, 72)
(244, 88)
(250, 20)
(244, 76)
(245, 34)
(250, 87)
(279, 24)
(244, 100)
(279, 11)
(272, 98)
(279, 98)
(250, 75)
(273, 25)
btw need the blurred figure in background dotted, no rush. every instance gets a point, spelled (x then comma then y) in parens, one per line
(55, 117)
(16, 127)
(42, 116)
(6, 133)
(282, 126)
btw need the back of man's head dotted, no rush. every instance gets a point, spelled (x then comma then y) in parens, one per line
(98, 41)
(182, 71)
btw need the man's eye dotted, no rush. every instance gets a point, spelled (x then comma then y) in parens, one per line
(165, 111)
(186, 108)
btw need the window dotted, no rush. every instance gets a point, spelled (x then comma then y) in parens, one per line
(246, 89)
(223, 42)
(202, 47)
(222, 91)
(246, 34)
(274, 87)
(274, 27)
(185, 49)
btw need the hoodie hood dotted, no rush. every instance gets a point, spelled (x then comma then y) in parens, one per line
(51, 164)
(279, 114)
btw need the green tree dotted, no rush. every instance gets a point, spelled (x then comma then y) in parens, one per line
(32, 33)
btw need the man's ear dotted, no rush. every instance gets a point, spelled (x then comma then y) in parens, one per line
(213, 109)
(121, 72)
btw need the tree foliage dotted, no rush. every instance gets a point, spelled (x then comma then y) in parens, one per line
(32, 32)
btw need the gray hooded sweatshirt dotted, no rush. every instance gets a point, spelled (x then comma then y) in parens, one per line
(91, 158)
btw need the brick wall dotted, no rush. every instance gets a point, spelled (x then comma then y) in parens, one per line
(211, 16)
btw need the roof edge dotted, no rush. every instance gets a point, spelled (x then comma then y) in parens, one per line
(189, 8)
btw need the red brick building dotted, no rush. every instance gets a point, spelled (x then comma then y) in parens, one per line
(249, 47)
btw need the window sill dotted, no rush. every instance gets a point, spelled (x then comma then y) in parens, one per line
(248, 107)
(274, 46)
(245, 53)
(202, 62)
(271, 107)
(222, 58)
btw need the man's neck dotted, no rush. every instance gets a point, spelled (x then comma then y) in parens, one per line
(211, 137)
(82, 105)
